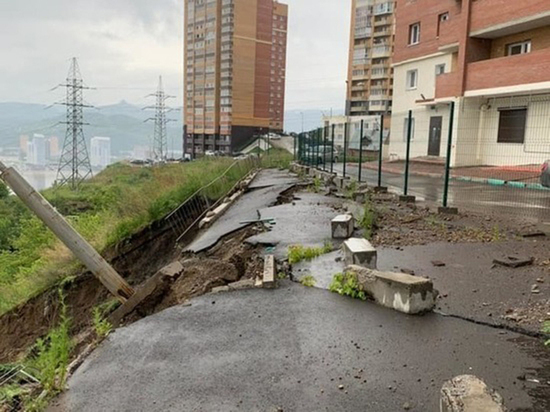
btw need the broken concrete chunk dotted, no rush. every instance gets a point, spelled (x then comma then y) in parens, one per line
(514, 261)
(438, 263)
(359, 251)
(399, 291)
(342, 226)
(242, 284)
(468, 393)
(269, 272)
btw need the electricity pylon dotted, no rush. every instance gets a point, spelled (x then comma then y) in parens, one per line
(160, 140)
(74, 164)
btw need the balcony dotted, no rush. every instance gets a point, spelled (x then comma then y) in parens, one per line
(512, 17)
(379, 73)
(510, 74)
(381, 51)
(447, 85)
(449, 31)
(363, 32)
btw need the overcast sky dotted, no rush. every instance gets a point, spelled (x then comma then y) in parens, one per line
(124, 45)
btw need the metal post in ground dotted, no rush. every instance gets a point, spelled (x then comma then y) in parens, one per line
(406, 197)
(445, 208)
(294, 141)
(361, 150)
(332, 151)
(345, 147)
(380, 188)
(325, 149)
(317, 162)
(65, 232)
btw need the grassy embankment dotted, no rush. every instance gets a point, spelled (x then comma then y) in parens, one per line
(113, 205)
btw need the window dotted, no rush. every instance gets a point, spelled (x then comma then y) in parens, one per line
(440, 69)
(511, 126)
(414, 33)
(518, 48)
(406, 128)
(412, 79)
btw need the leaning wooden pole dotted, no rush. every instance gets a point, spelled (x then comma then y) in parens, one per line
(65, 232)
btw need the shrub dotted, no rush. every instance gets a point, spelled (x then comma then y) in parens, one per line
(308, 281)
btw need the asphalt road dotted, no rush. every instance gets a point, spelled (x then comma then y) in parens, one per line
(533, 204)
(291, 348)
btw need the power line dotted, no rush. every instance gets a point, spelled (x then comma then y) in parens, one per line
(74, 164)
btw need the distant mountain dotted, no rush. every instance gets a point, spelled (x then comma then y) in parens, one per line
(122, 122)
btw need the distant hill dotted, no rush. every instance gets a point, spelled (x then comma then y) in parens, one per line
(122, 122)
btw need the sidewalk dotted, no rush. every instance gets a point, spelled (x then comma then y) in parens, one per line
(525, 176)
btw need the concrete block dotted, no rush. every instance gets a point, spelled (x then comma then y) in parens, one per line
(242, 284)
(468, 393)
(381, 189)
(407, 199)
(447, 210)
(339, 182)
(342, 226)
(400, 291)
(359, 251)
(269, 280)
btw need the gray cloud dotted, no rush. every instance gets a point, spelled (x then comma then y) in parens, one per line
(123, 45)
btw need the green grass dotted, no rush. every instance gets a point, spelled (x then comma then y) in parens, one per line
(113, 205)
(368, 220)
(298, 253)
(50, 363)
(346, 284)
(308, 281)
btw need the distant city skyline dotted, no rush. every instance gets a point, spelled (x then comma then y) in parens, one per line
(123, 46)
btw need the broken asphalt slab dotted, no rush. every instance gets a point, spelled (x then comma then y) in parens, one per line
(306, 221)
(292, 348)
(263, 192)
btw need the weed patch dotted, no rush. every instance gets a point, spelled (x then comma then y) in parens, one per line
(308, 281)
(346, 284)
(298, 253)
(368, 220)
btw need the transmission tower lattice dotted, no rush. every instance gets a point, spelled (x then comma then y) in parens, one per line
(160, 141)
(74, 164)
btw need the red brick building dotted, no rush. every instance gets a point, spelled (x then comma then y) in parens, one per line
(490, 57)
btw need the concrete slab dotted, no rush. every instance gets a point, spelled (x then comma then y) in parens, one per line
(400, 291)
(264, 191)
(342, 226)
(291, 348)
(269, 277)
(306, 221)
(359, 251)
(467, 393)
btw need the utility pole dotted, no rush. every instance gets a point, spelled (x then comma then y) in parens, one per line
(160, 140)
(74, 164)
(65, 232)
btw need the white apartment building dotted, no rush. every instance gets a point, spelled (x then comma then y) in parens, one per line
(100, 148)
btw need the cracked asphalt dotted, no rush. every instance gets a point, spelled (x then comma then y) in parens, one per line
(291, 348)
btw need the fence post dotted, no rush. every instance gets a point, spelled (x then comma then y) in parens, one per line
(325, 149)
(361, 151)
(317, 162)
(448, 163)
(294, 141)
(408, 153)
(345, 146)
(332, 151)
(380, 155)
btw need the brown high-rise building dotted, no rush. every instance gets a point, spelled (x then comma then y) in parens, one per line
(235, 58)
(370, 80)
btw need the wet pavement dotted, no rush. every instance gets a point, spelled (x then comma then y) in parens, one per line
(513, 202)
(291, 348)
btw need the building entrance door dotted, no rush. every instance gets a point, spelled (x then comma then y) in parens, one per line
(434, 145)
